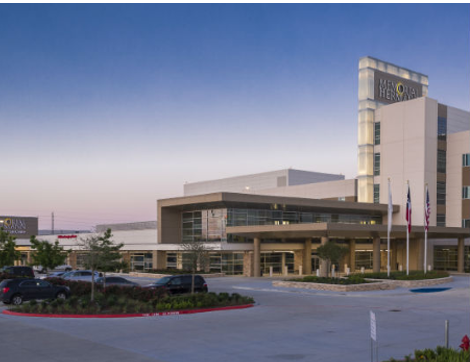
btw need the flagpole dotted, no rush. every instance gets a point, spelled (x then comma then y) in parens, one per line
(426, 220)
(425, 249)
(408, 236)
(389, 226)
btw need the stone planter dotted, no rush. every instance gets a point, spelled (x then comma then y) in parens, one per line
(420, 283)
(376, 285)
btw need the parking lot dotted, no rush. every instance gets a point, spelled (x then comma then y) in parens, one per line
(285, 325)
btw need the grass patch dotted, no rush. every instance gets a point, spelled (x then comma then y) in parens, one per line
(356, 279)
(397, 275)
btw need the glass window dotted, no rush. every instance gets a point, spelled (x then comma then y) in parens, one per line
(171, 260)
(176, 281)
(441, 220)
(441, 193)
(376, 133)
(466, 223)
(376, 164)
(242, 217)
(28, 283)
(466, 160)
(364, 259)
(446, 258)
(441, 128)
(441, 161)
(376, 193)
(466, 192)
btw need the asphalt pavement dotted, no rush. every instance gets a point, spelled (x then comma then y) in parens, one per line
(286, 324)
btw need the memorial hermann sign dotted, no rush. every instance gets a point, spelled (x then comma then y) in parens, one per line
(391, 89)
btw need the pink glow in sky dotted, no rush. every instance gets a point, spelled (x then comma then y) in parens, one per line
(106, 108)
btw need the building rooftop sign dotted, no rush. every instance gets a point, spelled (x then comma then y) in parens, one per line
(21, 227)
(391, 89)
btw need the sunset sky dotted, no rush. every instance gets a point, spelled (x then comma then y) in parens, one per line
(106, 108)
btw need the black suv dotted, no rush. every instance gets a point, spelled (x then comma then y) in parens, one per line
(179, 284)
(19, 271)
(15, 291)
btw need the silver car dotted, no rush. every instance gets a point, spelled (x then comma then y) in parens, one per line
(84, 275)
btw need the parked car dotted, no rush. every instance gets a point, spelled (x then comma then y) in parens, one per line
(64, 267)
(84, 275)
(180, 284)
(19, 271)
(15, 291)
(119, 281)
(52, 275)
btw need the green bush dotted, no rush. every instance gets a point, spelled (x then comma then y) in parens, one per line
(117, 304)
(401, 275)
(440, 354)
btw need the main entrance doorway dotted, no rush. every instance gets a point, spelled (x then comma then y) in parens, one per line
(277, 260)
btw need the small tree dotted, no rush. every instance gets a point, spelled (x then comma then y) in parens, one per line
(332, 253)
(110, 258)
(101, 254)
(8, 252)
(46, 254)
(197, 255)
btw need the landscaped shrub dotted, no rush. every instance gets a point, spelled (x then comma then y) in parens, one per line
(82, 288)
(77, 287)
(108, 303)
(440, 354)
(401, 275)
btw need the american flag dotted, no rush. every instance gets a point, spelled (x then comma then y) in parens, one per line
(427, 210)
(408, 210)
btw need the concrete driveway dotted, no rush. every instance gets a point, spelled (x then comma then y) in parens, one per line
(286, 325)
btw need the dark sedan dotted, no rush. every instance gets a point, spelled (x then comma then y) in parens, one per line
(180, 284)
(15, 291)
(122, 282)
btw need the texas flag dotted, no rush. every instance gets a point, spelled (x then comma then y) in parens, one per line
(408, 210)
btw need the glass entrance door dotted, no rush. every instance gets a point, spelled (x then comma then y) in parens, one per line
(275, 260)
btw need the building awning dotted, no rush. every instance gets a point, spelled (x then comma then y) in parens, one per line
(341, 230)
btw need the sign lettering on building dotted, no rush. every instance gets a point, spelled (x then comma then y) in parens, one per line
(22, 227)
(391, 89)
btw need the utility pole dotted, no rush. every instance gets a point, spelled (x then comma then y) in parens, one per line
(52, 223)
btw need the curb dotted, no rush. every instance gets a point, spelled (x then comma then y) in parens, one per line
(134, 315)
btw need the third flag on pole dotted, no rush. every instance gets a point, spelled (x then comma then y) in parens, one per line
(427, 210)
(408, 210)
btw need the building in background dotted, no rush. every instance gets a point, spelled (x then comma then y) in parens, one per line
(258, 182)
(380, 83)
(402, 135)
(139, 240)
(277, 219)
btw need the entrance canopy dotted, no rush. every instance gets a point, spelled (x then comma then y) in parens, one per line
(348, 231)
